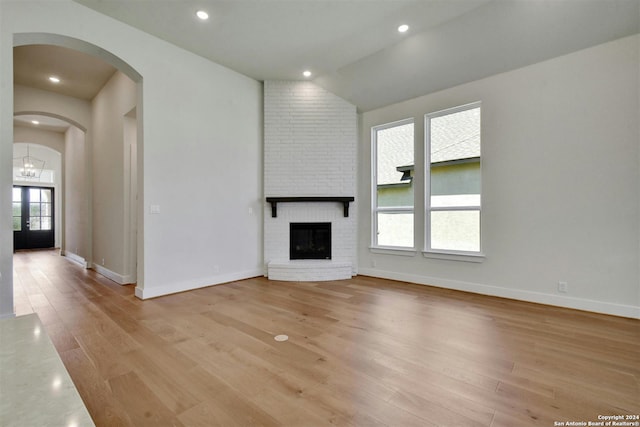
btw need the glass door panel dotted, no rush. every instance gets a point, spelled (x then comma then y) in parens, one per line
(17, 208)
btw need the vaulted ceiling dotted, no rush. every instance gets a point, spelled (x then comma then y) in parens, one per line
(353, 48)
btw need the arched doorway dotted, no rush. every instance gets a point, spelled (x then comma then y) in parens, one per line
(37, 192)
(43, 130)
(81, 245)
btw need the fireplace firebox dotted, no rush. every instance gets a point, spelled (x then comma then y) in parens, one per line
(310, 240)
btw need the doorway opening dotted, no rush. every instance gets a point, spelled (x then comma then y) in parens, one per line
(33, 217)
(96, 222)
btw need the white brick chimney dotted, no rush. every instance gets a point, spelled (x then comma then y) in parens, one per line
(310, 142)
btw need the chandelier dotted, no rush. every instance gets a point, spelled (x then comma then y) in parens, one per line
(29, 167)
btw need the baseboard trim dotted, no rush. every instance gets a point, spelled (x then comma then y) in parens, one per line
(75, 258)
(613, 309)
(153, 292)
(118, 278)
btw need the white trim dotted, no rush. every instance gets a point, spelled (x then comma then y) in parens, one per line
(613, 309)
(158, 291)
(389, 250)
(7, 315)
(75, 258)
(455, 208)
(453, 110)
(374, 177)
(118, 278)
(455, 256)
(394, 209)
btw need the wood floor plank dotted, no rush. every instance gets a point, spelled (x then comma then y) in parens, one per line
(106, 358)
(225, 413)
(361, 352)
(221, 365)
(96, 394)
(140, 403)
(62, 339)
(173, 390)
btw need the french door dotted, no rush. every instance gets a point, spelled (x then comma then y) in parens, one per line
(33, 220)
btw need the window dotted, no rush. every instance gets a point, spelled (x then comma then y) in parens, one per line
(393, 168)
(47, 176)
(453, 183)
(40, 212)
(17, 208)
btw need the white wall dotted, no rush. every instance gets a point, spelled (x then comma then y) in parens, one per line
(202, 153)
(561, 183)
(201, 127)
(76, 204)
(110, 174)
(130, 196)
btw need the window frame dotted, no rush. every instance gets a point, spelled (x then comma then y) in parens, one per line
(375, 209)
(452, 254)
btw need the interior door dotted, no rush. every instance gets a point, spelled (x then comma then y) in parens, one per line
(33, 222)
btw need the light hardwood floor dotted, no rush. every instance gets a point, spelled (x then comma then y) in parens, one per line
(362, 352)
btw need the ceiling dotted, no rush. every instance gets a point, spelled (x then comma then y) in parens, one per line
(353, 47)
(81, 75)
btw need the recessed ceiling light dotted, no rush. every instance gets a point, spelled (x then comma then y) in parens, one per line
(403, 28)
(54, 79)
(35, 122)
(202, 15)
(306, 73)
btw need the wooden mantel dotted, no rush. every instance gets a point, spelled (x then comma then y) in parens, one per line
(275, 200)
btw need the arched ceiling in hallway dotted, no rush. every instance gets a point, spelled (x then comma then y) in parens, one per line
(44, 122)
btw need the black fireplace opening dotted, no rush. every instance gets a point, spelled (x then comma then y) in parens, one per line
(310, 240)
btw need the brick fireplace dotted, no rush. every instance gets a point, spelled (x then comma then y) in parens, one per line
(310, 142)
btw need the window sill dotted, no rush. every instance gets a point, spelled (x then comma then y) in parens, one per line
(455, 256)
(388, 250)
